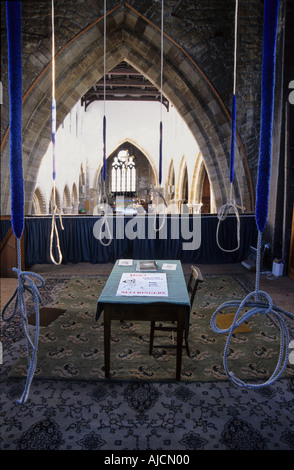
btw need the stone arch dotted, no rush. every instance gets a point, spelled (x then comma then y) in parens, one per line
(205, 192)
(194, 196)
(82, 179)
(74, 199)
(170, 189)
(133, 38)
(182, 183)
(39, 205)
(66, 200)
(74, 193)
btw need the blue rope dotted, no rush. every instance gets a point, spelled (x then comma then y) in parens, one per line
(53, 133)
(13, 18)
(160, 153)
(104, 148)
(262, 303)
(271, 9)
(233, 139)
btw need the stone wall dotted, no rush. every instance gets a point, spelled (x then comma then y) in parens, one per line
(198, 74)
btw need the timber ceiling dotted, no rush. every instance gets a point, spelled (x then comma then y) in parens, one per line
(123, 83)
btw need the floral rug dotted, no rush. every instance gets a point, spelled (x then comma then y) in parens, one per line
(71, 347)
(116, 416)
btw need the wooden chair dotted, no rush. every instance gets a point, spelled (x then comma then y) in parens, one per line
(192, 285)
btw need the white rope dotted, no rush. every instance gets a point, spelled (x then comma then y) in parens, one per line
(55, 209)
(104, 59)
(222, 215)
(105, 205)
(231, 204)
(235, 47)
(161, 58)
(54, 230)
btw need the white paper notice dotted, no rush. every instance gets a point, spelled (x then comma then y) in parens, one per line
(143, 284)
(125, 262)
(169, 267)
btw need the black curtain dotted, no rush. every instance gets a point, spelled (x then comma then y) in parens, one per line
(78, 244)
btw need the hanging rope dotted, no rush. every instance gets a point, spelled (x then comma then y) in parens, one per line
(104, 169)
(104, 95)
(262, 302)
(25, 284)
(161, 84)
(153, 191)
(159, 194)
(55, 210)
(231, 203)
(222, 215)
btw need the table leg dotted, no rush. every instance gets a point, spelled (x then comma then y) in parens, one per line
(180, 332)
(107, 329)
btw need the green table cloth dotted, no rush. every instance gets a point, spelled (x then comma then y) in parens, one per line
(177, 289)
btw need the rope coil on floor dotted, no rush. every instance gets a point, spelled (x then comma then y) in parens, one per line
(262, 304)
(26, 285)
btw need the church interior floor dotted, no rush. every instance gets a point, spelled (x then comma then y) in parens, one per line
(281, 289)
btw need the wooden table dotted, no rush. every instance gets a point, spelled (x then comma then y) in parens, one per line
(175, 307)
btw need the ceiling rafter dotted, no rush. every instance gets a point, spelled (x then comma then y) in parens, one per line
(123, 83)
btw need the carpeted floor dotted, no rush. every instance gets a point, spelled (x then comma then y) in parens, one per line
(71, 347)
(139, 415)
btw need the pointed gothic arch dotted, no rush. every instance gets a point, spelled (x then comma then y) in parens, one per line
(39, 205)
(170, 190)
(133, 38)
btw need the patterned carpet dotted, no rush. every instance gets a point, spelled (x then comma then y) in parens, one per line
(139, 415)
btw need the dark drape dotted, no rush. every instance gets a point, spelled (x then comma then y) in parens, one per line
(78, 244)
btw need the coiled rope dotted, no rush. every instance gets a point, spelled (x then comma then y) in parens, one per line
(55, 210)
(26, 284)
(262, 302)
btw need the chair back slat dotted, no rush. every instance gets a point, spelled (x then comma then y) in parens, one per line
(194, 279)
